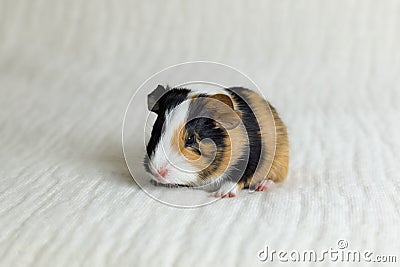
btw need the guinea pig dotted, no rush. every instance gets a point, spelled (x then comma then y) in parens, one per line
(220, 140)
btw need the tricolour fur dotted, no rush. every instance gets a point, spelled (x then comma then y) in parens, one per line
(230, 137)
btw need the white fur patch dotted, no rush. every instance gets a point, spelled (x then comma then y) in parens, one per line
(180, 171)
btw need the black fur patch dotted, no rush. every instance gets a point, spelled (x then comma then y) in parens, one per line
(249, 162)
(166, 103)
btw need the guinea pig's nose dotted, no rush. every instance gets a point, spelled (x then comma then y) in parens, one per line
(163, 172)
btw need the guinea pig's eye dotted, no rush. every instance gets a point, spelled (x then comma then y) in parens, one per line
(190, 140)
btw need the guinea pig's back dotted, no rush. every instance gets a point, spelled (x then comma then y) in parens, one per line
(269, 144)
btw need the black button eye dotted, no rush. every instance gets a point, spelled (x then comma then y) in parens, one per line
(190, 140)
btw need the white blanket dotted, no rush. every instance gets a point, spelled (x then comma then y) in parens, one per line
(69, 68)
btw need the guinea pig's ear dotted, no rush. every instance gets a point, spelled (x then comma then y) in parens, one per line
(223, 98)
(223, 112)
(153, 97)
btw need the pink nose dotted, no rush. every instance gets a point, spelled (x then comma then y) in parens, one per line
(163, 172)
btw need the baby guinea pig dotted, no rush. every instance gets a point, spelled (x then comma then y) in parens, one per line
(219, 140)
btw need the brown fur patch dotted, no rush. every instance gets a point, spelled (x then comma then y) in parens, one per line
(209, 152)
(220, 163)
(178, 143)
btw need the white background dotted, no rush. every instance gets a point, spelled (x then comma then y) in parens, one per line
(69, 68)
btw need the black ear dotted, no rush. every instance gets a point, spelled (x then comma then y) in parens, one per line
(153, 97)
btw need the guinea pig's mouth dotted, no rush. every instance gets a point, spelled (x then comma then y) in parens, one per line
(158, 178)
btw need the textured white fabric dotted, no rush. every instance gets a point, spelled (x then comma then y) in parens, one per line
(69, 68)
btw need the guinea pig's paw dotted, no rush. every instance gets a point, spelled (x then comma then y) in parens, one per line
(265, 185)
(227, 190)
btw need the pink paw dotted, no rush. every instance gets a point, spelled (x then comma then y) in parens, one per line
(223, 195)
(264, 185)
(226, 191)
